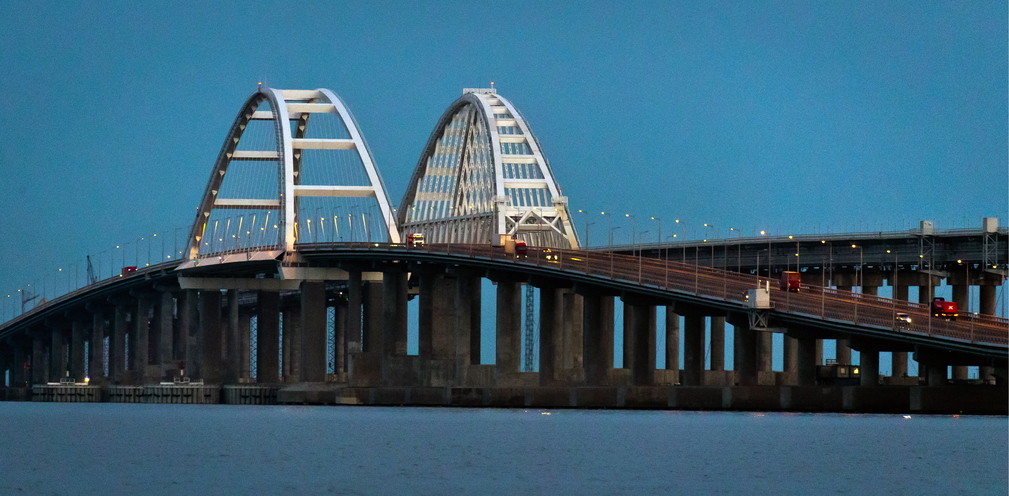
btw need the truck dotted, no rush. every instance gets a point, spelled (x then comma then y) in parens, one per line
(415, 239)
(790, 281)
(948, 310)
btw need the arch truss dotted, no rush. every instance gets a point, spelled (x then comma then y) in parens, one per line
(294, 168)
(482, 175)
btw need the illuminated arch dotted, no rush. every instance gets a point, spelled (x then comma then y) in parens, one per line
(481, 175)
(307, 147)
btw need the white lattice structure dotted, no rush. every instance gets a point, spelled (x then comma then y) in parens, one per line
(481, 175)
(294, 168)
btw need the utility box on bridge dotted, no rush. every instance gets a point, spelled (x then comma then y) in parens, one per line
(759, 298)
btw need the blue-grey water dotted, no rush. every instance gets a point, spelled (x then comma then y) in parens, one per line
(53, 448)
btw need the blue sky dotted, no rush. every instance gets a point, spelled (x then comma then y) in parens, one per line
(792, 117)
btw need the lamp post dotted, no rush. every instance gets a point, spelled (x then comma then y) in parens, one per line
(764, 233)
(658, 238)
(587, 224)
(611, 235)
(634, 225)
(609, 225)
(683, 232)
(860, 253)
(710, 226)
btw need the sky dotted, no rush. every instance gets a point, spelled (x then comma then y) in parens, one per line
(790, 117)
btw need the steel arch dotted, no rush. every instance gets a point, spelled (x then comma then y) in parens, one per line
(287, 106)
(453, 198)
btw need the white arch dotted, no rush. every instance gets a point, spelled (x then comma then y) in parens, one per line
(286, 106)
(526, 203)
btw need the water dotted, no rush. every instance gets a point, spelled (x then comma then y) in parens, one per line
(53, 448)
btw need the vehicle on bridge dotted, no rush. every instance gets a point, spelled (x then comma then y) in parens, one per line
(790, 281)
(415, 239)
(948, 310)
(128, 270)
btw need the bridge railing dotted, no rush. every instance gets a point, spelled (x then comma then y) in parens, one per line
(816, 301)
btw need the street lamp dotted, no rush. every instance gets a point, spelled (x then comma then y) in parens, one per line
(611, 234)
(587, 224)
(634, 225)
(659, 237)
(609, 225)
(860, 268)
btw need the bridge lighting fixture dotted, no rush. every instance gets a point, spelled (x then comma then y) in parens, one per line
(823, 241)
(762, 232)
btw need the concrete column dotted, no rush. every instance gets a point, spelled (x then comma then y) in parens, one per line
(937, 375)
(693, 350)
(394, 313)
(508, 327)
(140, 341)
(473, 294)
(117, 345)
(819, 352)
(642, 338)
(673, 343)
(232, 339)
(267, 336)
(898, 364)
(313, 331)
(164, 321)
(765, 351)
(21, 357)
(549, 335)
(96, 366)
(463, 330)
(717, 342)
(373, 319)
(340, 360)
(245, 345)
(572, 359)
(425, 311)
(597, 326)
(869, 367)
(77, 358)
(210, 332)
(986, 299)
(58, 350)
(745, 355)
(842, 347)
(189, 334)
(39, 372)
(790, 354)
(806, 360)
(355, 297)
(291, 345)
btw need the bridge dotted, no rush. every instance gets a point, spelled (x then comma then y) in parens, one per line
(297, 280)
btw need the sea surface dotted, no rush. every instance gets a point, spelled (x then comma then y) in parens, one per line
(104, 448)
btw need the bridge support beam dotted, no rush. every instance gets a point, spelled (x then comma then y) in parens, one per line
(639, 343)
(806, 348)
(672, 344)
(267, 336)
(140, 341)
(58, 350)
(97, 358)
(117, 346)
(39, 370)
(508, 328)
(868, 367)
(313, 331)
(394, 314)
(164, 331)
(290, 343)
(210, 336)
(693, 349)
(550, 346)
(744, 355)
(717, 326)
(790, 357)
(78, 330)
(597, 322)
